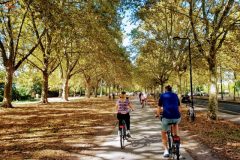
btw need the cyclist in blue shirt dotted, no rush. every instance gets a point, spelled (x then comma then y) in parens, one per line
(169, 105)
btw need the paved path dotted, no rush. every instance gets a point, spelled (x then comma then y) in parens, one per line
(145, 144)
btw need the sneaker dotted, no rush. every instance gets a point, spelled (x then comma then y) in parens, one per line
(128, 134)
(166, 154)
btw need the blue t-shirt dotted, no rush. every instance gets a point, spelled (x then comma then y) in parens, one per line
(170, 102)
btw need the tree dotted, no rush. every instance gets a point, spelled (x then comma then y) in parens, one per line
(11, 37)
(160, 23)
(230, 56)
(211, 22)
(155, 62)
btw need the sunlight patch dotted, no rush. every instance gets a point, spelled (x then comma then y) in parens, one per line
(50, 153)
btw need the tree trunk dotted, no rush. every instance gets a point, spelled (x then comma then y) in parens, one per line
(60, 92)
(7, 98)
(106, 88)
(96, 87)
(101, 88)
(74, 92)
(179, 84)
(65, 89)
(186, 86)
(229, 90)
(213, 101)
(109, 92)
(88, 90)
(162, 86)
(61, 87)
(44, 97)
(235, 85)
(221, 82)
(95, 91)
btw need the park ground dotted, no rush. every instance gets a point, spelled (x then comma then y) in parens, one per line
(69, 130)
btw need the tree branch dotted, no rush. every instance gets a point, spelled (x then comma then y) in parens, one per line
(4, 55)
(21, 26)
(29, 53)
(34, 65)
(11, 42)
(225, 12)
(205, 18)
(199, 45)
(54, 68)
(36, 31)
(4, 2)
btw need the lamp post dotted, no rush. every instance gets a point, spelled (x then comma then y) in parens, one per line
(191, 110)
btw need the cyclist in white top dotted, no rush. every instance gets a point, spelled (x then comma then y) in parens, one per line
(123, 107)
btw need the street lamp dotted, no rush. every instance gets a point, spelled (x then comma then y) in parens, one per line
(191, 111)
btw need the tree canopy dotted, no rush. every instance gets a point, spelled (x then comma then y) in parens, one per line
(82, 42)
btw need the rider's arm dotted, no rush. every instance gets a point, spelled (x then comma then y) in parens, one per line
(159, 109)
(179, 106)
(116, 106)
(131, 107)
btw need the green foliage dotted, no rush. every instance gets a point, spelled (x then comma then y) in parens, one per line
(2, 76)
(37, 86)
(238, 86)
(28, 82)
(15, 93)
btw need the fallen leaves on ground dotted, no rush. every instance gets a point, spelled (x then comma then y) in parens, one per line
(55, 131)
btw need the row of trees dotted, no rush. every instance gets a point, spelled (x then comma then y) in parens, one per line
(67, 37)
(211, 26)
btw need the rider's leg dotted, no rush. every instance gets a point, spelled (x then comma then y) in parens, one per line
(127, 120)
(175, 130)
(164, 140)
(119, 117)
(165, 128)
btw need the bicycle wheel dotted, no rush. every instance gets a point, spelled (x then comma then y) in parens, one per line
(122, 138)
(170, 142)
(176, 146)
(177, 152)
(123, 133)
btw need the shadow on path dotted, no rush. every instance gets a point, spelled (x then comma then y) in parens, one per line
(144, 144)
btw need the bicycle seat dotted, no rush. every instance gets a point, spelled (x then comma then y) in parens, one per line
(172, 123)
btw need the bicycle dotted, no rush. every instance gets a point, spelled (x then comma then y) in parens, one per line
(123, 135)
(173, 143)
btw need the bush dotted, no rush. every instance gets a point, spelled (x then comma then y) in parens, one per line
(1, 98)
(53, 93)
(15, 93)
